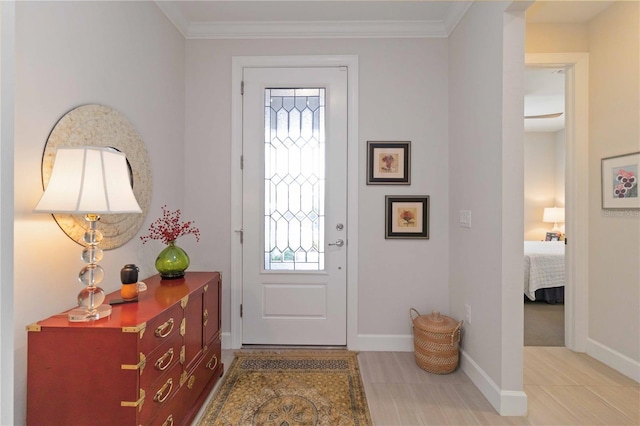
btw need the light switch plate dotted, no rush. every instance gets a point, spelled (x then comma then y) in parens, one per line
(465, 219)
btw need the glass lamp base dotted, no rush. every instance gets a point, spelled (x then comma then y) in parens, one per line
(82, 315)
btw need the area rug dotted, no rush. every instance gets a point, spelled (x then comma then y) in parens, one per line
(290, 388)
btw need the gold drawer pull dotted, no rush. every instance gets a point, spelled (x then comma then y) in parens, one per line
(205, 317)
(213, 360)
(165, 329)
(160, 363)
(161, 396)
(169, 421)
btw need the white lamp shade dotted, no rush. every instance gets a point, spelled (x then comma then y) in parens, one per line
(87, 180)
(553, 215)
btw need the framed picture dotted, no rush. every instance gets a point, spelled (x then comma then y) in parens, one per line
(620, 182)
(388, 163)
(553, 236)
(407, 216)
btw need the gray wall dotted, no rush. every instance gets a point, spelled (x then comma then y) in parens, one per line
(403, 96)
(612, 42)
(486, 177)
(614, 236)
(125, 55)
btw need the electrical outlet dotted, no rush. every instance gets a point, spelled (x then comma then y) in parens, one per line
(467, 314)
(465, 219)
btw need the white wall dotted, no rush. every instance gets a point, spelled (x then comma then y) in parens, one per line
(611, 40)
(486, 89)
(7, 76)
(403, 96)
(125, 55)
(560, 155)
(544, 155)
(614, 236)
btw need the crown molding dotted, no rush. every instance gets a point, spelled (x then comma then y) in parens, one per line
(455, 15)
(173, 13)
(314, 29)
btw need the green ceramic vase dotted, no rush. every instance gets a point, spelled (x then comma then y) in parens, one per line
(172, 261)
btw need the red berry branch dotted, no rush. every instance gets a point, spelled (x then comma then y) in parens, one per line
(169, 228)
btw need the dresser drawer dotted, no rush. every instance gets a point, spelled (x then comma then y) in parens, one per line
(211, 364)
(160, 393)
(161, 360)
(182, 407)
(161, 328)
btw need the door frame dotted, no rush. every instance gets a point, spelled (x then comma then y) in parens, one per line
(237, 66)
(576, 66)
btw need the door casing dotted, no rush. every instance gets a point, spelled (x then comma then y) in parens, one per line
(576, 190)
(238, 63)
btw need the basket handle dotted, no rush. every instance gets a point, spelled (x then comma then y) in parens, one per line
(411, 312)
(455, 336)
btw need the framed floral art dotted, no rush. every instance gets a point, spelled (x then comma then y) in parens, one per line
(388, 163)
(407, 216)
(620, 181)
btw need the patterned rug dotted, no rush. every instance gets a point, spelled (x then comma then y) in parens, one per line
(290, 388)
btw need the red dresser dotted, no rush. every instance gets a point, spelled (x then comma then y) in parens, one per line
(153, 362)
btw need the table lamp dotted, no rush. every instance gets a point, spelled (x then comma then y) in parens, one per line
(90, 181)
(553, 215)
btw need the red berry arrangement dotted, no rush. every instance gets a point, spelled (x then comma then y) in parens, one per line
(169, 228)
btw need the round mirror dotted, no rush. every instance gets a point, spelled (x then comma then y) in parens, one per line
(101, 126)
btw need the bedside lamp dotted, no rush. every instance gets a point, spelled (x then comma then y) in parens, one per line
(90, 181)
(553, 215)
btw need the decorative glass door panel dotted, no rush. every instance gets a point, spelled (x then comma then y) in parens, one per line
(294, 181)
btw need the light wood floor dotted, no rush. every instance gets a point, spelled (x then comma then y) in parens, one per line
(563, 388)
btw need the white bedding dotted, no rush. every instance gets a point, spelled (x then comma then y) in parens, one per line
(543, 266)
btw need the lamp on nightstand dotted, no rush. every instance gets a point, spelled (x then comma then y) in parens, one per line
(553, 215)
(90, 181)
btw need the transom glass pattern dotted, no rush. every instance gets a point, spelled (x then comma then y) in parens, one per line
(294, 179)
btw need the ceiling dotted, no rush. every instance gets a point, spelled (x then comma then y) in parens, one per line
(313, 18)
(335, 18)
(544, 94)
(234, 19)
(565, 12)
(545, 87)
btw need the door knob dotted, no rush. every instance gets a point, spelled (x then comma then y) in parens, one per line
(338, 243)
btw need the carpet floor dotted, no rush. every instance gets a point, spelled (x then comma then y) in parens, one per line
(294, 388)
(543, 324)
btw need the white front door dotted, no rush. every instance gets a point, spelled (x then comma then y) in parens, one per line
(294, 206)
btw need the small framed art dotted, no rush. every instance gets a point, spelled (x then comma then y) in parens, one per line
(620, 181)
(407, 216)
(388, 163)
(552, 236)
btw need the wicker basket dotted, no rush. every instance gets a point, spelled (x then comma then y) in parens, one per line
(435, 341)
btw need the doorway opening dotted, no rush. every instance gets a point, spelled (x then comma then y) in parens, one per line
(575, 66)
(544, 201)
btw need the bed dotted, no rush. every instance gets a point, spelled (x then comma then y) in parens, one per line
(544, 271)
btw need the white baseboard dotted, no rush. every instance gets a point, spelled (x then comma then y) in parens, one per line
(506, 403)
(225, 340)
(613, 359)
